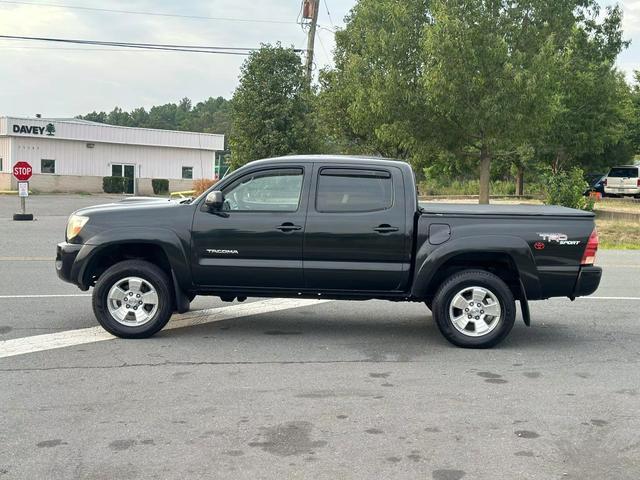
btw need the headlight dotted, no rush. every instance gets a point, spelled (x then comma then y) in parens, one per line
(75, 224)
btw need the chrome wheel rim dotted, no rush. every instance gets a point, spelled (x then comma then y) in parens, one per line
(475, 311)
(132, 301)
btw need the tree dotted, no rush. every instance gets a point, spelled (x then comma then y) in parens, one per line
(634, 120)
(118, 117)
(371, 102)
(271, 107)
(210, 116)
(95, 117)
(487, 75)
(139, 117)
(595, 106)
(470, 81)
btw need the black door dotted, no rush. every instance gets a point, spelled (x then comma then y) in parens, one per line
(256, 241)
(355, 233)
(128, 172)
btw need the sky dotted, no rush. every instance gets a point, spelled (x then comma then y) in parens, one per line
(66, 80)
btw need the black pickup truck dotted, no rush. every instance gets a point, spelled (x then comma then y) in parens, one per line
(335, 227)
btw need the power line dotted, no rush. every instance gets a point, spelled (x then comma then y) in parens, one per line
(323, 49)
(332, 32)
(91, 49)
(155, 14)
(329, 14)
(144, 46)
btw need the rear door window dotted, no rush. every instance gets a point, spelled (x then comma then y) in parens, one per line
(342, 190)
(623, 172)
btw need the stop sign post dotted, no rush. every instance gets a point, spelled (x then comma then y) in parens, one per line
(23, 171)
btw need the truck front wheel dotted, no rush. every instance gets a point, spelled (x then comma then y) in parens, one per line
(133, 299)
(474, 309)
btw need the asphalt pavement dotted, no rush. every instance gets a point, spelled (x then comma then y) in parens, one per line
(300, 389)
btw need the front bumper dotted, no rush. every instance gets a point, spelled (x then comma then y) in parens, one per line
(66, 266)
(588, 281)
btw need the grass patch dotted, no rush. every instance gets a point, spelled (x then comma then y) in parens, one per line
(617, 204)
(618, 235)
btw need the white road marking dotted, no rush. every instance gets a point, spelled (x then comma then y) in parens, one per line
(62, 295)
(610, 298)
(27, 259)
(50, 341)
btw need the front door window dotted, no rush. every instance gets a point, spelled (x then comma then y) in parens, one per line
(271, 190)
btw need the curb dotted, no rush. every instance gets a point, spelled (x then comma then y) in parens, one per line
(617, 215)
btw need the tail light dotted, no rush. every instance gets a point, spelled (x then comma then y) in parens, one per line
(605, 182)
(639, 183)
(589, 256)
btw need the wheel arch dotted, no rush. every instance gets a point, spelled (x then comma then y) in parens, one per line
(161, 247)
(507, 257)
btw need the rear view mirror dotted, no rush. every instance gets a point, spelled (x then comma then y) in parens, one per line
(214, 200)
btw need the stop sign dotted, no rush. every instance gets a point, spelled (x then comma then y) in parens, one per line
(22, 171)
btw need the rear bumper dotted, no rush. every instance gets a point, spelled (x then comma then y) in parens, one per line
(587, 282)
(622, 190)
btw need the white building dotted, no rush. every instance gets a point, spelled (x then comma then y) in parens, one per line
(70, 155)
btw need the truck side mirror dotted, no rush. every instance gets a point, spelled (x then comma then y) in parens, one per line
(214, 200)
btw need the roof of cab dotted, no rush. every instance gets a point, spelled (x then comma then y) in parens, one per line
(337, 159)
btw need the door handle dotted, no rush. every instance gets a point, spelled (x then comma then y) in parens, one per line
(385, 228)
(288, 227)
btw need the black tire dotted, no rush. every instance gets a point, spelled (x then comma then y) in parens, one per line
(151, 274)
(474, 278)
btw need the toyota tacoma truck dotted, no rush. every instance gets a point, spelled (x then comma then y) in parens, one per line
(336, 227)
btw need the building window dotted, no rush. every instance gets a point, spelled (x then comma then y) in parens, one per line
(47, 166)
(187, 173)
(1, 169)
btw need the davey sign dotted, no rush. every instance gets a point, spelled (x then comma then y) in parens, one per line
(22, 171)
(50, 129)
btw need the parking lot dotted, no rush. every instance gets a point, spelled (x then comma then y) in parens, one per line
(307, 389)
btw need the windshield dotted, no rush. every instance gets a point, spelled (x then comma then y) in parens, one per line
(624, 172)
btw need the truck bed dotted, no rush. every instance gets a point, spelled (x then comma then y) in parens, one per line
(509, 210)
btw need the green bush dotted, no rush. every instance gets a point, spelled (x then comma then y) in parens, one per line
(160, 186)
(566, 188)
(113, 184)
(433, 186)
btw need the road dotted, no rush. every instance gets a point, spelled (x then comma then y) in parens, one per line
(299, 389)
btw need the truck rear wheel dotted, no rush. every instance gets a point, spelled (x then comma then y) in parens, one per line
(474, 309)
(133, 299)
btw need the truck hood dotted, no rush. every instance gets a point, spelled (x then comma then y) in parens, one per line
(508, 210)
(129, 205)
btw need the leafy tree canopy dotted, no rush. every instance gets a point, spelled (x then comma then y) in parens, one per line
(211, 116)
(271, 108)
(470, 82)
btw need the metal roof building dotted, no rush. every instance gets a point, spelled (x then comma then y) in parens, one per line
(74, 155)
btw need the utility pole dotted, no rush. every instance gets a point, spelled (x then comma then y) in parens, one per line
(310, 9)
